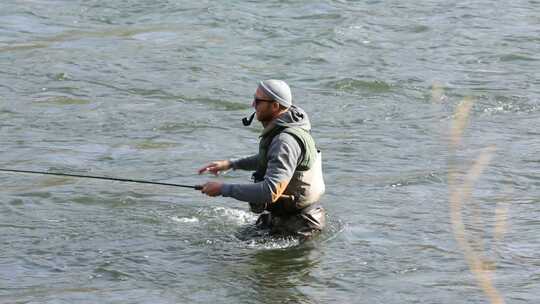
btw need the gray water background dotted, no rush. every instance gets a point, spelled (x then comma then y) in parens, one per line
(155, 89)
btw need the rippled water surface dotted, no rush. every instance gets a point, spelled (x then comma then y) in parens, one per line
(155, 89)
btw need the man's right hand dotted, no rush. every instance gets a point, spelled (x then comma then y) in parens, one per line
(216, 167)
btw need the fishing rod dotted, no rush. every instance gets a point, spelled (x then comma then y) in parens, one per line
(196, 187)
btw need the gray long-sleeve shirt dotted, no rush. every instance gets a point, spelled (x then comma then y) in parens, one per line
(284, 155)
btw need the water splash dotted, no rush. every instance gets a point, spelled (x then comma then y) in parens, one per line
(184, 219)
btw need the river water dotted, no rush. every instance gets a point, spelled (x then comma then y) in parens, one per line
(154, 90)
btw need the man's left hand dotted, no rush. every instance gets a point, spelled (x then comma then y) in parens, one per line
(212, 188)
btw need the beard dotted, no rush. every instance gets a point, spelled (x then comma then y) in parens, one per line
(264, 116)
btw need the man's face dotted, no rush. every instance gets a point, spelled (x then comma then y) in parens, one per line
(264, 106)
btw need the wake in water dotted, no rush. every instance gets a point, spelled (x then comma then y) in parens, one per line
(236, 225)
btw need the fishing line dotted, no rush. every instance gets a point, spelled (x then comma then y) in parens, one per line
(196, 187)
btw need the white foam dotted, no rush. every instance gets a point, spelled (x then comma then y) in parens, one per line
(185, 219)
(237, 216)
(272, 243)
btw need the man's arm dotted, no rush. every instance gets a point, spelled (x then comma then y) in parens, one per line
(245, 163)
(284, 156)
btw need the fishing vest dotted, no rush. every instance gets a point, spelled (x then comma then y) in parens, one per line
(306, 185)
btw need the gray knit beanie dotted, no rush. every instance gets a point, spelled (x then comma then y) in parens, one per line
(279, 91)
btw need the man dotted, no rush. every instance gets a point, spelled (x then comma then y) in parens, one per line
(288, 172)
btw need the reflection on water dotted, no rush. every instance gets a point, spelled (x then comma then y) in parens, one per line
(277, 275)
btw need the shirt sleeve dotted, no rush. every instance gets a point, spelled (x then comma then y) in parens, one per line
(245, 163)
(284, 155)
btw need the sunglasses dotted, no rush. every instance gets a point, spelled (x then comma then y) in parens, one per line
(256, 101)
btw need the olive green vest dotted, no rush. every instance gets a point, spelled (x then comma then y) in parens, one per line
(307, 144)
(306, 185)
